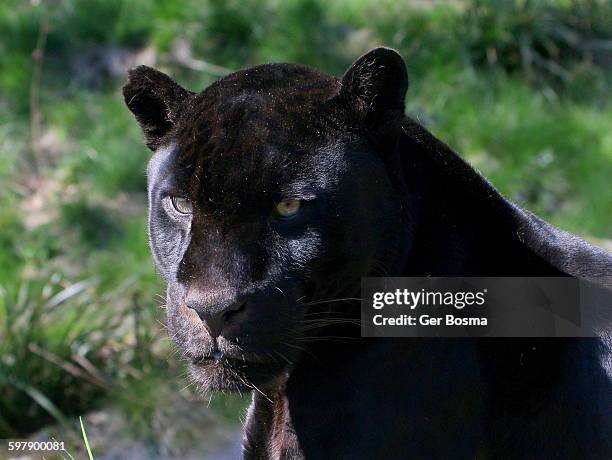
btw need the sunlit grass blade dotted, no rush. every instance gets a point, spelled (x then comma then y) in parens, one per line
(85, 439)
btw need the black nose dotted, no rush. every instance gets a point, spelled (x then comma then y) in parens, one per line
(216, 318)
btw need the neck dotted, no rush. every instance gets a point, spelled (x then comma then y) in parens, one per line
(269, 432)
(461, 225)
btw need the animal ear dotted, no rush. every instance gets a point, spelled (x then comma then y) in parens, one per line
(154, 99)
(375, 85)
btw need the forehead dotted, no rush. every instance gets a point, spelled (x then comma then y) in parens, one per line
(266, 105)
(254, 133)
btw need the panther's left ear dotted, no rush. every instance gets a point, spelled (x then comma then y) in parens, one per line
(155, 100)
(375, 85)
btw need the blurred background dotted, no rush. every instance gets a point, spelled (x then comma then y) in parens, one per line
(520, 88)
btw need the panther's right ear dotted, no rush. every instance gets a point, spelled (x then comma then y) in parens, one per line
(154, 99)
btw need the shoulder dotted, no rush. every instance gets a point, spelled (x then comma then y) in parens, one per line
(564, 250)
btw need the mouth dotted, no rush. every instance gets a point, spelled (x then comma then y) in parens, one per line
(219, 371)
(214, 356)
(218, 359)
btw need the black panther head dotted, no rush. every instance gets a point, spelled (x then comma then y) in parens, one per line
(270, 193)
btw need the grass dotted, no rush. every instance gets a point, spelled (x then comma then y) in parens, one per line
(85, 440)
(64, 346)
(519, 88)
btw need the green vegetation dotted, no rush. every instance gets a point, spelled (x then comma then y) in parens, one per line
(517, 87)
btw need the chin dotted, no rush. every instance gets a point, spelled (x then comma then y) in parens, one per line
(231, 375)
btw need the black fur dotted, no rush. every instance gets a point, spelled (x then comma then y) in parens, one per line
(380, 196)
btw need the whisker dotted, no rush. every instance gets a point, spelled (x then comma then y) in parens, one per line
(328, 338)
(319, 302)
(330, 321)
(261, 392)
(302, 349)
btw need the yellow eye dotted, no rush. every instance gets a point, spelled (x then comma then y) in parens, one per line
(182, 205)
(288, 208)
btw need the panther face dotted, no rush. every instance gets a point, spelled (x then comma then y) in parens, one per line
(268, 196)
